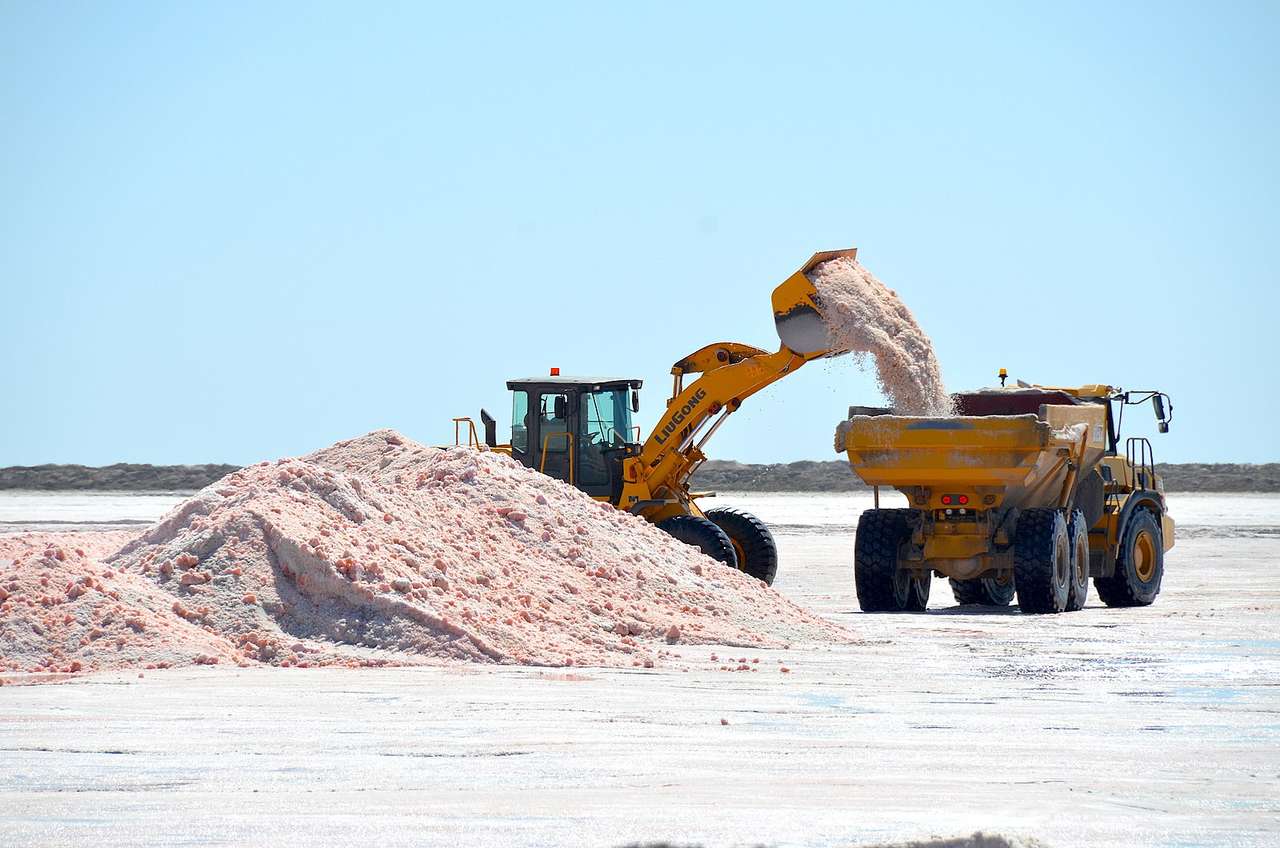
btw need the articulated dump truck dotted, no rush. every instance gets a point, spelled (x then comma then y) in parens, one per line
(1024, 491)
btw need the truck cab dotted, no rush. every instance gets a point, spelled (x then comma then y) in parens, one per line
(576, 429)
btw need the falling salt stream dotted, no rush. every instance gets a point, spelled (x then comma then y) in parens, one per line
(864, 316)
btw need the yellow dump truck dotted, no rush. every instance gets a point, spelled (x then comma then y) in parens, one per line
(1025, 491)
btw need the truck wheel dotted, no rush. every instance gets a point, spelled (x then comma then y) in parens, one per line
(881, 585)
(1042, 561)
(753, 544)
(1078, 536)
(1139, 564)
(984, 591)
(703, 535)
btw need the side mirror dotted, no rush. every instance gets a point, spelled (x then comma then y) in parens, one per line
(635, 400)
(561, 407)
(1162, 420)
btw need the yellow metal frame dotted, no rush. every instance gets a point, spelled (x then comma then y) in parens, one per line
(473, 438)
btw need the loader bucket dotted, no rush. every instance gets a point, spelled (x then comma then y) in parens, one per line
(797, 313)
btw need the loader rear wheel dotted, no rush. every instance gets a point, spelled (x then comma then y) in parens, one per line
(1042, 561)
(752, 542)
(703, 535)
(984, 591)
(1078, 537)
(883, 586)
(1139, 564)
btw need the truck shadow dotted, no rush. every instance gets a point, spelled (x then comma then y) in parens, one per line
(976, 609)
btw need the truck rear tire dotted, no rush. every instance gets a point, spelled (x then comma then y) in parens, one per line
(703, 535)
(1078, 537)
(1139, 564)
(881, 585)
(753, 544)
(983, 591)
(1042, 561)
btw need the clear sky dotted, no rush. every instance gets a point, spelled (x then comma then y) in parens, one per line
(235, 231)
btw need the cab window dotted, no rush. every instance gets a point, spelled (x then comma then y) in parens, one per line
(520, 422)
(554, 414)
(606, 418)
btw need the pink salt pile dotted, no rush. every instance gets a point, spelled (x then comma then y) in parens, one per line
(865, 317)
(379, 551)
(62, 609)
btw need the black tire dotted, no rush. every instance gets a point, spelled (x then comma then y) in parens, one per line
(1078, 540)
(983, 591)
(1139, 564)
(703, 535)
(753, 544)
(1042, 561)
(881, 585)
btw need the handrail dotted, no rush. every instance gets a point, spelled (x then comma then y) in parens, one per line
(542, 466)
(1141, 458)
(473, 438)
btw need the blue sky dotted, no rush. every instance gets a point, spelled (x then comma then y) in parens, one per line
(238, 231)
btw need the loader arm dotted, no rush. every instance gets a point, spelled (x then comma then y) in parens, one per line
(655, 483)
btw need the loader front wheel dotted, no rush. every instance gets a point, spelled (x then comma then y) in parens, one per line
(1078, 537)
(752, 542)
(984, 591)
(703, 535)
(1139, 564)
(881, 585)
(1042, 561)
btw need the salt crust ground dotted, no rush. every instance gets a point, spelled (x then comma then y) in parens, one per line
(381, 551)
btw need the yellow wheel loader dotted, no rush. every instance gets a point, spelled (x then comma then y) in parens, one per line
(1024, 492)
(579, 430)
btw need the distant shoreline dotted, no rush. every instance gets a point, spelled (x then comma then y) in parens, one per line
(725, 475)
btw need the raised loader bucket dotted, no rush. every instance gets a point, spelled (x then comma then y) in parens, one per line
(797, 313)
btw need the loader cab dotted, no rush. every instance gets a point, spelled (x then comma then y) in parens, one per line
(576, 429)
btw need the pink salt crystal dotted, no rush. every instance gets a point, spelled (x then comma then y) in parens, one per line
(673, 634)
(724, 721)
(249, 598)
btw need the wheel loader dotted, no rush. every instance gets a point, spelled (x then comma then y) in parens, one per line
(1024, 492)
(579, 429)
